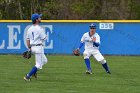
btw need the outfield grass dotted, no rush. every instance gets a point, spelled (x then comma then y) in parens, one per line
(66, 74)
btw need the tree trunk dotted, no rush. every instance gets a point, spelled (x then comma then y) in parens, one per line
(20, 10)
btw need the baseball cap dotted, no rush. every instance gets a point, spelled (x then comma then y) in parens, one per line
(35, 16)
(92, 25)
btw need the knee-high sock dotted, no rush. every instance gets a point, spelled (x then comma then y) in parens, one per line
(34, 70)
(105, 66)
(87, 62)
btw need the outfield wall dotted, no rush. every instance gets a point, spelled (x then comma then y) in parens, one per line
(120, 37)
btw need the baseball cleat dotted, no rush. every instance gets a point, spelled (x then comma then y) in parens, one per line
(88, 72)
(27, 78)
(108, 72)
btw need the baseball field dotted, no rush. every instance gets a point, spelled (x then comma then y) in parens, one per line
(66, 74)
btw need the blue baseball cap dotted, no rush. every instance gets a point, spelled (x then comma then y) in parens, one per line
(35, 16)
(92, 25)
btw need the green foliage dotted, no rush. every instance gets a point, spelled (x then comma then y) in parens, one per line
(85, 9)
(78, 8)
(70, 9)
(51, 9)
(136, 10)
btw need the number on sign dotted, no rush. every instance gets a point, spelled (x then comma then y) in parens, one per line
(106, 25)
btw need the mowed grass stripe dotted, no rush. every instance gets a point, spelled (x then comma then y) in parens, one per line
(66, 74)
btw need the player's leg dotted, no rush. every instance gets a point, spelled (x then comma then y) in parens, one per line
(32, 71)
(37, 66)
(45, 60)
(98, 56)
(105, 66)
(39, 59)
(87, 55)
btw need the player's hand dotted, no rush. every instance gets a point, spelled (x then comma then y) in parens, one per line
(94, 39)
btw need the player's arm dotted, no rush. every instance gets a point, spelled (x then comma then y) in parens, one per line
(76, 52)
(28, 41)
(28, 44)
(96, 41)
(81, 43)
(96, 44)
(43, 36)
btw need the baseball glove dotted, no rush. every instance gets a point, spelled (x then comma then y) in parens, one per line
(26, 54)
(76, 52)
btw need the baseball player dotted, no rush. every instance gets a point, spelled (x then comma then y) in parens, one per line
(35, 38)
(92, 42)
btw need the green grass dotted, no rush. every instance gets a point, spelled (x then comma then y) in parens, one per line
(66, 74)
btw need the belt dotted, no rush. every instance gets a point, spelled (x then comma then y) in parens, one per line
(36, 45)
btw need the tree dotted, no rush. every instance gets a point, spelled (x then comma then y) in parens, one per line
(70, 9)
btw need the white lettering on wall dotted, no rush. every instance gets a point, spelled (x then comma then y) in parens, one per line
(13, 37)
(14, 40)
(25, 33)
(2, 45)
(50, 45)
